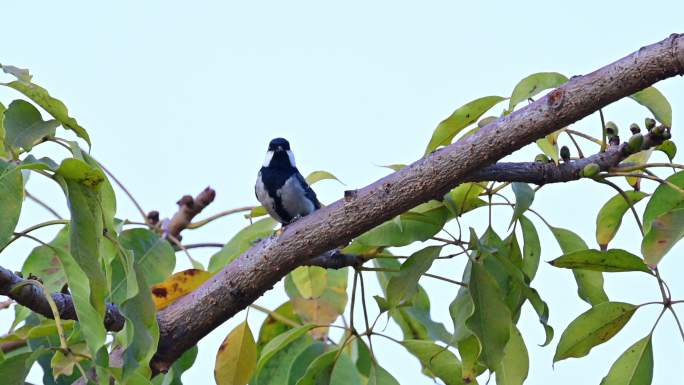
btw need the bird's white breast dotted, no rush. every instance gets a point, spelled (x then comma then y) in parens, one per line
(265, 199)
(294, 199)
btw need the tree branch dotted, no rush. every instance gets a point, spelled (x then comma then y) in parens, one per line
(190, 318)
(545, 173)
(188, 208)
(31, 296)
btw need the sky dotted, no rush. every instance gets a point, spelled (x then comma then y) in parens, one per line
(180, 95)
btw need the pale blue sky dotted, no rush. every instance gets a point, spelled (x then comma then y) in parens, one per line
(178, 96)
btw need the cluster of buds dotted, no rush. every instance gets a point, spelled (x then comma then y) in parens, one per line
(656, 135)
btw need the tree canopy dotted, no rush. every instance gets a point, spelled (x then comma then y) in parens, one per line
(103, 298)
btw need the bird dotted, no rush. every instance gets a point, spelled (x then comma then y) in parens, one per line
(280, 188)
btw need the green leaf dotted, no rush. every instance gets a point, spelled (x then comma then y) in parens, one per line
(549, 146)
(310, 280)
(638, 159)
(82, 184)
(14, 369)
(664, 199)
(531, 248)
(31, 163)
(589, 283)
(3, 152)
(278, 368)
(461, 308)
(273, 327)
(656, 102)
(666, 230)
(44, 262)
(344, 372)
(394, 167)
(180, 366)
(153, 255)
(524, 195)
(634, 366)
(669, 148)
(141, 328)
(279, 343)
(469, 350)
(320, 369)
(63, 365)
(514, 367)
(379, 376)
(301, 362)
(236, 357)
(593, 327)
(613, 260)
(419, 224)
(404, 286)
(438, 360)
(242, 241)
(90, 320)
(464, 198)
(53, 106)
(24, 126)
(534, 84)
(460, 119)
(610, 216)
(258, 211)
(324, 309)
(11, 198)
(491, 319)
(317, 176)
(414, 320)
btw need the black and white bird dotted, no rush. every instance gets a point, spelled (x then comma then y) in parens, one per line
(280, 188)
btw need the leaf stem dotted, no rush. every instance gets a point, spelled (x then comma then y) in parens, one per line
(203, 222)
(43, 204)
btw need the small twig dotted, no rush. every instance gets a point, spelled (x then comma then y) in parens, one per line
(583, 135)
(445, 279)
(203, 222)
(176, 242)
(579, 149)
(626, 198)
(23, 233)
(638, 167)
(43, 204)
(276, 316)
(679, 324)
(449, 241)
(603, 131)
(645, 176)
(199, 245)
(353, 300)
(363, 302)
(124, 189)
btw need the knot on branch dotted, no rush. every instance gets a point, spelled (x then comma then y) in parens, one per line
(188, 208)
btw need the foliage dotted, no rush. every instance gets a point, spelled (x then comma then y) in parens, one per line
(105, 259)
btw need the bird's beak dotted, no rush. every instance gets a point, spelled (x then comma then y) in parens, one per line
(280, 148)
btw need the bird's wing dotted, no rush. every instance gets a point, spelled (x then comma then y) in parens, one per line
(310, 193)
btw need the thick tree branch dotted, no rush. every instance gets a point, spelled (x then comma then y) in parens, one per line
(31, 296)
(240, 283)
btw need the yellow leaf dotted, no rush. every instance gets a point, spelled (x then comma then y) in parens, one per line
(236, 357)
(177, 286)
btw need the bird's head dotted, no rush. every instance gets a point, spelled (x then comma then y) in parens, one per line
(279, 154)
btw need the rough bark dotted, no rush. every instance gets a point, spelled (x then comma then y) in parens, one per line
(31, 296)
(240, 283)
